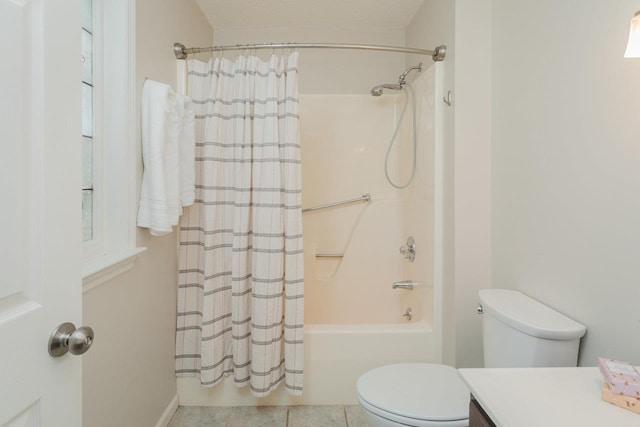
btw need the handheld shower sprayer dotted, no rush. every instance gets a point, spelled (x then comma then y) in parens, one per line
(377, 91)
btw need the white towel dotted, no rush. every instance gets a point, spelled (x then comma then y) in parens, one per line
(159, 198)
(186, 147)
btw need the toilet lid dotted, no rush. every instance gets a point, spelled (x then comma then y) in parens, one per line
(416, 390)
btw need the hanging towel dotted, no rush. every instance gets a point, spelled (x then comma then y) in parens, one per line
(159, 198)
(186, 147)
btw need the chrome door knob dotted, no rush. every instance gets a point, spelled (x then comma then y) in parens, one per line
(66, 338)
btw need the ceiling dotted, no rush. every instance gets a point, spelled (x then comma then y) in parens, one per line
(257, 14)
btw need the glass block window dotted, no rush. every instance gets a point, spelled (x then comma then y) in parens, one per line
(87, 121)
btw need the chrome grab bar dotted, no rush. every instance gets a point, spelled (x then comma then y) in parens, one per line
(364, 198)
(405, 284)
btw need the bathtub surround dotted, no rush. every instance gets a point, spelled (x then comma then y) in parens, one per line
(241, 270)
(344, 141)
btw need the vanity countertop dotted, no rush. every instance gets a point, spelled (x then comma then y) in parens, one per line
(550, 397)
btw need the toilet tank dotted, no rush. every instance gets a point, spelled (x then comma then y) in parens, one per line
(520, 332)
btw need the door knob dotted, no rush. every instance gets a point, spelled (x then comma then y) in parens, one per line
(66, 338)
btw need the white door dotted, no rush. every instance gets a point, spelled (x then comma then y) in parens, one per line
(40, 209)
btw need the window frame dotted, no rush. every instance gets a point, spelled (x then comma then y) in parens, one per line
(92, 248)
(113, 249)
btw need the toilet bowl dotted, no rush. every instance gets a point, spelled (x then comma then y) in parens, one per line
(414, 394)
(517, 331)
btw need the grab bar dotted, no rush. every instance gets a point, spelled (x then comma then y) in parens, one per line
(329, 255)
(364, 198)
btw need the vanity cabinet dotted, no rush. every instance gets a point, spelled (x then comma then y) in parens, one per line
(477, 416)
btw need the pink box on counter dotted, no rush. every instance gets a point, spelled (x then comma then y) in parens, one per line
(626, 402)
(621, 377)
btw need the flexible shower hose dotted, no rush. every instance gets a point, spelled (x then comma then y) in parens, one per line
(395, 134)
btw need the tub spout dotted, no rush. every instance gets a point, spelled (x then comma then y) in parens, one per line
(405, 284)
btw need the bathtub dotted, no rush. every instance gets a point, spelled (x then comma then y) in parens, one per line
(335, 356)
(338, 354)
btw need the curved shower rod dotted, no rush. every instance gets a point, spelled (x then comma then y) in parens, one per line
(182, 52)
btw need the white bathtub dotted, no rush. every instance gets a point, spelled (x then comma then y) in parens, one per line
(335, 356)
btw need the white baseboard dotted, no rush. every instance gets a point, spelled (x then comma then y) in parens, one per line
(168, 413)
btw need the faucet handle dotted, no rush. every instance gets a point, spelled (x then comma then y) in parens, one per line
(409, 250)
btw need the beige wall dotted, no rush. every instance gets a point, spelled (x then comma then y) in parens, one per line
(472, 97)
(128, 377)
(566, 165)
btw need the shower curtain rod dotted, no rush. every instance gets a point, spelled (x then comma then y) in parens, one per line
(182, 52)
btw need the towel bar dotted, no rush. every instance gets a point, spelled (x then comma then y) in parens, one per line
(329, 255)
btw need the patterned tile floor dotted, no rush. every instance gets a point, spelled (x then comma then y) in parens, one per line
(269, 416)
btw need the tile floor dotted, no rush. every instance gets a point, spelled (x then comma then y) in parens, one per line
(269, 416)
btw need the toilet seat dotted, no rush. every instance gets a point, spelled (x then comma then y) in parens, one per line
(415, 394)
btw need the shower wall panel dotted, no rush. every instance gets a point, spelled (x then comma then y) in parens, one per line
(344, 142)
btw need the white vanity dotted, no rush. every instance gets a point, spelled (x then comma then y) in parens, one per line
(535, 397)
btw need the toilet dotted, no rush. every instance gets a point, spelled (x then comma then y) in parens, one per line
(517, 331)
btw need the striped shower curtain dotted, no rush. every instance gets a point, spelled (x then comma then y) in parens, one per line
(240, 293)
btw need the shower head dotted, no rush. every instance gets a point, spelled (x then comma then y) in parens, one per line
(377, 91)
(403, 76)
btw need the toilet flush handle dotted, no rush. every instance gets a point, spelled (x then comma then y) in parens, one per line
(479, 309)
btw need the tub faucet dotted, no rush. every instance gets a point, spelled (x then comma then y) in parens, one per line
(405, 284)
